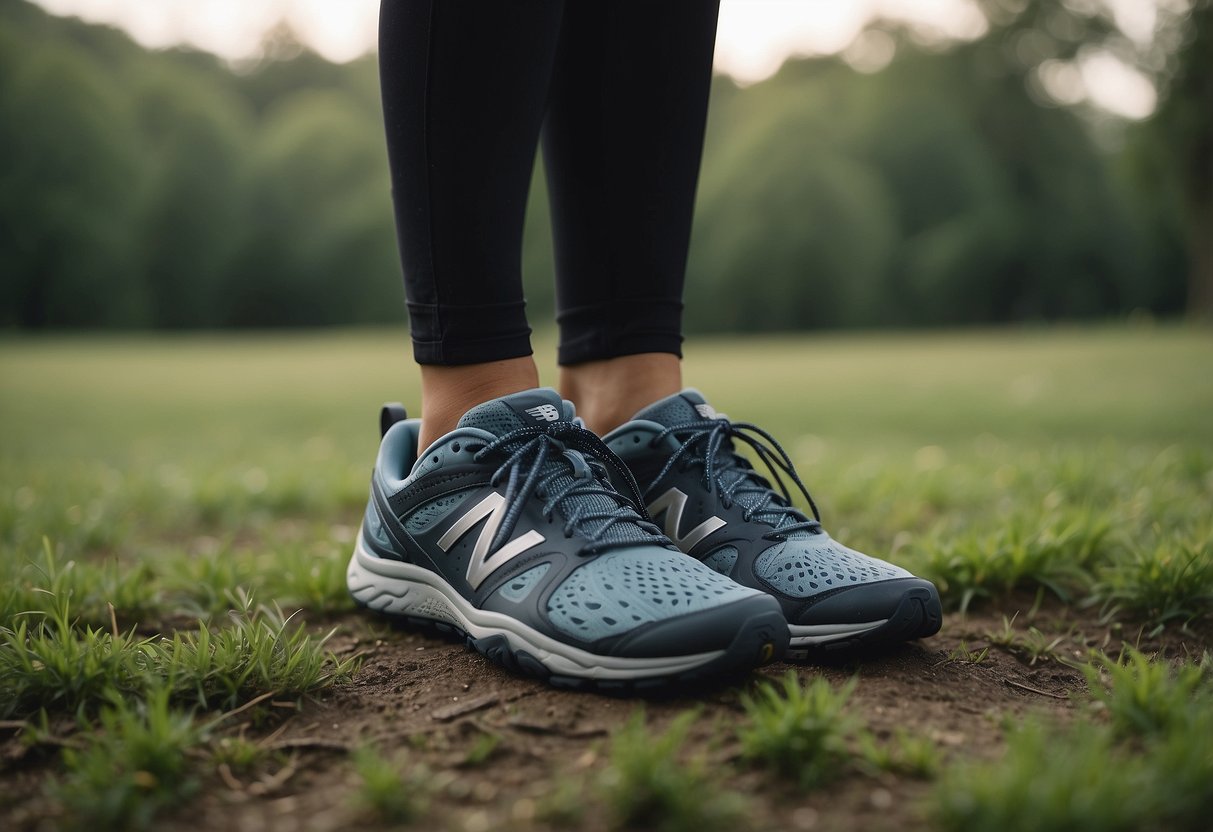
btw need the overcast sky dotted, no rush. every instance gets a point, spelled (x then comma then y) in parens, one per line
(754, 36)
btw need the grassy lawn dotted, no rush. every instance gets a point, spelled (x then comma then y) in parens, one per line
(177, 648)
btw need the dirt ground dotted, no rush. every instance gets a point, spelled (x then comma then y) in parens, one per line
(435, 701)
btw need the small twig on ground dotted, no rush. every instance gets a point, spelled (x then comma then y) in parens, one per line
(1031, 689)
(249, 704)
(267, 785)
(306, 742)
(225, 774)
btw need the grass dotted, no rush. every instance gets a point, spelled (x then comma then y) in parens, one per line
(47, 664)
(800, 731)
(384, 791)
(652, 782)
(1150, 698)
(1031, 646)
(1146, 767)
(806, 733)
(131, 765)
(151, 486)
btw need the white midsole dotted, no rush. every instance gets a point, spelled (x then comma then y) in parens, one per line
(806, 634)
(399, 588)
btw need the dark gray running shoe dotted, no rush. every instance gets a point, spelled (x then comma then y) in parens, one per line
(508, 531)
(718, 509)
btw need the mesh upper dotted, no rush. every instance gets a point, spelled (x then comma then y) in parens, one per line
(498, 418)
(722, 560)
(435, 510)
(673, 410)
(679, 409)
(520, 587)
(805, 566)
(621, 590)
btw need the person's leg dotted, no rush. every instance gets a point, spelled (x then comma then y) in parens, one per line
(622, 145)
(464, 91)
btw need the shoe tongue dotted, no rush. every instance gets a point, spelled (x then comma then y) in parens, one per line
(543, 406)
(540, 406)
(678, 409)
(691, 406)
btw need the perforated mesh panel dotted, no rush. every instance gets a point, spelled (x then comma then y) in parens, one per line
(433, 511)
(520, 587)
(805, 567)
(621, 590)
(672, 410)
(722, 560)
(495, 417)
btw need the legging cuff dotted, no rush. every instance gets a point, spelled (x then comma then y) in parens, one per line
(621, 327)
(451, 335)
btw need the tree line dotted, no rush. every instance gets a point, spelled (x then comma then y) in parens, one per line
(164, 189)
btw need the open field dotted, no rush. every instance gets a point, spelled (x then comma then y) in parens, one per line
(162, 497)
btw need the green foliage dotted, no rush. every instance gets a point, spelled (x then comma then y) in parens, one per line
(963, 654)
(1054, 553)
(87, 588)
(1147, 767)
(256, 653)
(238, 754)
(55, 667)
(649, 782)
(47, 663)
(384, 791)
(903, 753)
(1169, 578)
(163, 189)
(132, 765)
(801, 731)
(1150, 698)
(1032, 647)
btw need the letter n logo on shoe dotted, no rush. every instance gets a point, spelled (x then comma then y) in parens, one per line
(479, 567)
(674, 503)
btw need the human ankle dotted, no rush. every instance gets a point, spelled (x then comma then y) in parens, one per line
(609, 392)
(449, 392)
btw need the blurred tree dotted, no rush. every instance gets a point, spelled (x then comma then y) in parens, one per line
(323, 248)
(1182, 134)
(66, 202)
(193, 216)
(167, 189)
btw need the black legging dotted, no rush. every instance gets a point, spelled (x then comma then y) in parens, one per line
(619, 90)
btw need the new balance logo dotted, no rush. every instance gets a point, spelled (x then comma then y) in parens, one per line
(544, 412)
(480, 567)
(674, 503)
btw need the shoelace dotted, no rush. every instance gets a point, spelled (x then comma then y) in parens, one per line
(586, 458)
(704, 443)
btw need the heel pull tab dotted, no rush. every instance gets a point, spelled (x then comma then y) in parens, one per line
(391, 413)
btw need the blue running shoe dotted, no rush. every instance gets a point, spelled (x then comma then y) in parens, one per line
(508, 531)
(716, 507)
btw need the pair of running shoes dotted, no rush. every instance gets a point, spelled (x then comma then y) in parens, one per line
(657, 554)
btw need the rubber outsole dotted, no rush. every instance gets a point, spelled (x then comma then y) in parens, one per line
(760, 639)
(919, 614)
